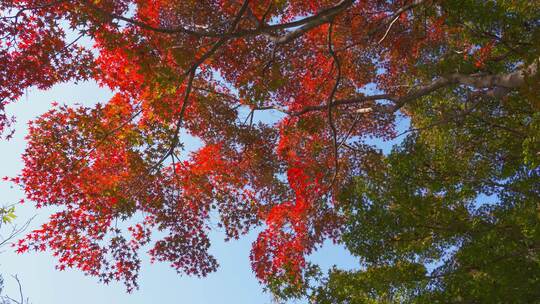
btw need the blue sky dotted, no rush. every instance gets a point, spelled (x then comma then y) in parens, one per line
(232, 283)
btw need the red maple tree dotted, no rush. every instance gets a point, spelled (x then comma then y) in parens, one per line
(201, 67)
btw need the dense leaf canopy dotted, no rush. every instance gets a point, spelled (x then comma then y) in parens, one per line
(449, 215)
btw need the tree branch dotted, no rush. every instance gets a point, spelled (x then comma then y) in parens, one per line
(329, 107)
(323, 17)
(15, 231)
(506, 81)
(502, 84)
(305, 25)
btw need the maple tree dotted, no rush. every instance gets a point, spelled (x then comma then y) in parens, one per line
(339, 72)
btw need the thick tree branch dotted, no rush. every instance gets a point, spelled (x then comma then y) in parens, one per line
(325, 16)
(335, 103)
(304, 25)
(512, 80)
(504, 81)
(501, 84)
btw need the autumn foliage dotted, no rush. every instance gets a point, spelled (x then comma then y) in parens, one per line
(332, 73)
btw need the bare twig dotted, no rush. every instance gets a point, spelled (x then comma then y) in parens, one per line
(10, 300)
(14, 232)
(388, 29)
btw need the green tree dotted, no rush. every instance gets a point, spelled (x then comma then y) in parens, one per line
(452, 215)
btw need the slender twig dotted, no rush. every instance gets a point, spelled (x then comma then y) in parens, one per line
(15, 231)
(388, 29)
